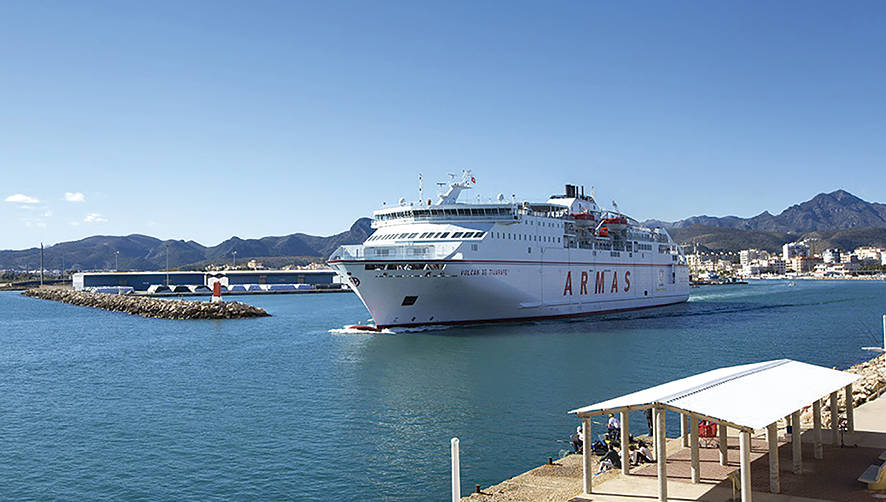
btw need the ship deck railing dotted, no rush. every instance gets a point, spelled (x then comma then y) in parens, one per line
(399, 252)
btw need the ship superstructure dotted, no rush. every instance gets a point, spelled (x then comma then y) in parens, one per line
(460, 263)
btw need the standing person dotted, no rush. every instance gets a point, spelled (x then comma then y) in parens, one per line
(614, 427)
(649, 420)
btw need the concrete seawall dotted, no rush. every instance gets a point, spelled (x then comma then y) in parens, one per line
(150, 307)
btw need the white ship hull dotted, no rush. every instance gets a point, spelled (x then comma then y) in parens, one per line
(454, 263)
(467, 292)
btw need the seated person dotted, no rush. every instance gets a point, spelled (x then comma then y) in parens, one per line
(576, 440)
(641, 455)
(612, 460)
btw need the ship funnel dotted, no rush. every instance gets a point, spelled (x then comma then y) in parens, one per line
(570, 191)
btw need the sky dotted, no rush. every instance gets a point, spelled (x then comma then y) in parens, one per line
(203, 120)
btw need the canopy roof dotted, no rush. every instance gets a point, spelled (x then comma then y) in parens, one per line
(749, 396)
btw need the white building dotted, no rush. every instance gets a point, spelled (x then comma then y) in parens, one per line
(831, 256)
(748, 256)
(795, 250)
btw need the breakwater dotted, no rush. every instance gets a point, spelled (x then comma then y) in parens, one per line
(149, 307)
(870, 386)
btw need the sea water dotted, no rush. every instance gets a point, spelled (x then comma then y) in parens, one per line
(105, 406)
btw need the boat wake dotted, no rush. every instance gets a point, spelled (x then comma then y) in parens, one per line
(369, 329)
(360, 330)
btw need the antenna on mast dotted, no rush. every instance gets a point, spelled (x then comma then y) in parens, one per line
(421, 195)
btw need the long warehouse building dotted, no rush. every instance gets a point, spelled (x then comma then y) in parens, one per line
(143, 281)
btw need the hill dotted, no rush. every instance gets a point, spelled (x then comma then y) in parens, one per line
(838, 210)
(711, 238)
(142, 252)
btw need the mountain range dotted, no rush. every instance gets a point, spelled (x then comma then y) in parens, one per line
(839, 210)
(142, 252)
(829, 220)
(837, 219)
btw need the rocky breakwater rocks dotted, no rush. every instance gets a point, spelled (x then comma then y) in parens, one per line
(150, 307)
(870, 386)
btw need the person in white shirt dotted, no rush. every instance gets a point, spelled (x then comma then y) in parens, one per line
(641, 455)
(614, 427)
(576, 440)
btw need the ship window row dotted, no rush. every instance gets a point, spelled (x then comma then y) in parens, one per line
(403, 266)
(430, 213)
(525, 237)
(428, 235)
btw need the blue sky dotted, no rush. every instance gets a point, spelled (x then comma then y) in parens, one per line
(202, 120)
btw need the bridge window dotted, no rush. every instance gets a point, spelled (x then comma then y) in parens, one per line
(444, 235)
(456, 235)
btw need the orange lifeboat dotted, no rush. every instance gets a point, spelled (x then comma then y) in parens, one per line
(582, 216)
(615, 224)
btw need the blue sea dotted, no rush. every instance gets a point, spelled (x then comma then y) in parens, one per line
(105, 406)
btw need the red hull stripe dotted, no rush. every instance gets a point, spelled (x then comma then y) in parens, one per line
(509, 262)
(521, 319)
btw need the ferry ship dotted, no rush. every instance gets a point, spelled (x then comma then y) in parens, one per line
(450, 262)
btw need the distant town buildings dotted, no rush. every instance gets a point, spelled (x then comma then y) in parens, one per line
(749, 256)
(796, 259)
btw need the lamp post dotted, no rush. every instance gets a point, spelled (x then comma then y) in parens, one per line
(167, 264)
(116, 261)
(235, 258)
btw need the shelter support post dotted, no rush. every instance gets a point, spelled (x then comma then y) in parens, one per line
(796, 442)
(835, 418)
(744, 445)
(818, 450)
(625, 443)
(693, 447)
(684, 431)
(787, 425)
(586, 470)
(772, 437)
(723, 443)
(850, 410)
(661, 454)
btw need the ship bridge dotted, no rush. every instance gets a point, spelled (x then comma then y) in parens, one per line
(404, 215)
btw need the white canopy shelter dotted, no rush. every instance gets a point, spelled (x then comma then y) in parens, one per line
(746, 397)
